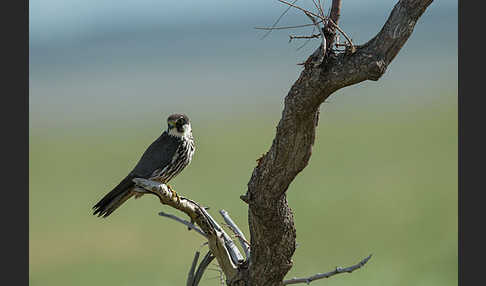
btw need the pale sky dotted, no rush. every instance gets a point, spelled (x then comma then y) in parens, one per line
(68, 19)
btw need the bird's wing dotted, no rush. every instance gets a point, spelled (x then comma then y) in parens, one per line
(158, 155)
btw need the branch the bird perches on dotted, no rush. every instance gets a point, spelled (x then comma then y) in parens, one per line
(221, 246)
(220, 243)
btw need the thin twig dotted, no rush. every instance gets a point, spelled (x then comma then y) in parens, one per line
(338, 270)
(235, 234)
(234, 253)
(302, 9)
(321, 31)
(323, 19)
(202, 267)
(190, 276)
(321, 7)
(241, 237)
(185, 222)
(286, 27)
(343, 33)
(244, 239)
(304, 37)
(308, 40)
(317, 7)
(276, 22)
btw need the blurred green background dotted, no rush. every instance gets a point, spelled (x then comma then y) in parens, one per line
(382, 178)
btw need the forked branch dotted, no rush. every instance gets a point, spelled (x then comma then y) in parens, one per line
(239, 234)
(194, 276)
(184, 222)
(220, 244)
(332, 21)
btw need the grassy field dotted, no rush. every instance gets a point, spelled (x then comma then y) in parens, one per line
(382, 180)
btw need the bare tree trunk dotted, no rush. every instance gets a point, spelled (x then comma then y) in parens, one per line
(270, 218)
(272, 244)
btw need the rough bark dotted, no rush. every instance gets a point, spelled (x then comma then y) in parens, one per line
(270, 217)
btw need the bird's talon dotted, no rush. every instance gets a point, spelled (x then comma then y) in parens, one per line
(178, 200)
(174, 194)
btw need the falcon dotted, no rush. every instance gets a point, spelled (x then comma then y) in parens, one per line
(164, 159)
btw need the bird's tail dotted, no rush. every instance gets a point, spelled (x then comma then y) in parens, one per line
(115, 198)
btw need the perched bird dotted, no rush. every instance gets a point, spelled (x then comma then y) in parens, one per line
(163, 160)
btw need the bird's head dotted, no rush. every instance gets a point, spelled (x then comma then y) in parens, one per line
(179, 125)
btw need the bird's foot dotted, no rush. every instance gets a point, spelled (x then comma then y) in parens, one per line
(174, 194)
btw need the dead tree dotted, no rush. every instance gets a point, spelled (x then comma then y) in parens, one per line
(268, 254)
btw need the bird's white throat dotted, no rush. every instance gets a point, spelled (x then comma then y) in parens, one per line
(187, 133)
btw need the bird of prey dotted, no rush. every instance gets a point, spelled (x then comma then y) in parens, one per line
(163, 160)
